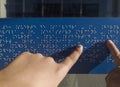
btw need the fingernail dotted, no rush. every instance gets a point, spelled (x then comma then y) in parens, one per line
(110, 41)
(79, 47)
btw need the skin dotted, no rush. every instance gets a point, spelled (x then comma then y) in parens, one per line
(113, 78)
(114, 51)
(36, 70)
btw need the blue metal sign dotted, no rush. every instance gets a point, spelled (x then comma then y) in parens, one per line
(57, 37)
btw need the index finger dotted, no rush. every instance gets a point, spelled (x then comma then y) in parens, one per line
(73, 57)
(114, 51)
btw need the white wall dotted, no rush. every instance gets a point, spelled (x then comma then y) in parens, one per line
(2, 8)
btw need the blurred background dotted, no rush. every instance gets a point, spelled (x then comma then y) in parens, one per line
(59, 8)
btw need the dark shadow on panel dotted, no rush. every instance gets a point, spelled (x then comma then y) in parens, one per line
(89, 59)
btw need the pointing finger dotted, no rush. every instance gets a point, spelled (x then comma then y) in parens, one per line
(114, 51)
(73, 57)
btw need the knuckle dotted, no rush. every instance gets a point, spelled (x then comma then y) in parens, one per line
(61, 69)
(26, 53)
(38, 55)
(63, 66)
(50, 59)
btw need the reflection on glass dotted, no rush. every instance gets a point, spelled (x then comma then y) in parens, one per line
(59, 8)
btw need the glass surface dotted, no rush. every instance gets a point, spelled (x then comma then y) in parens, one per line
(59, 8)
